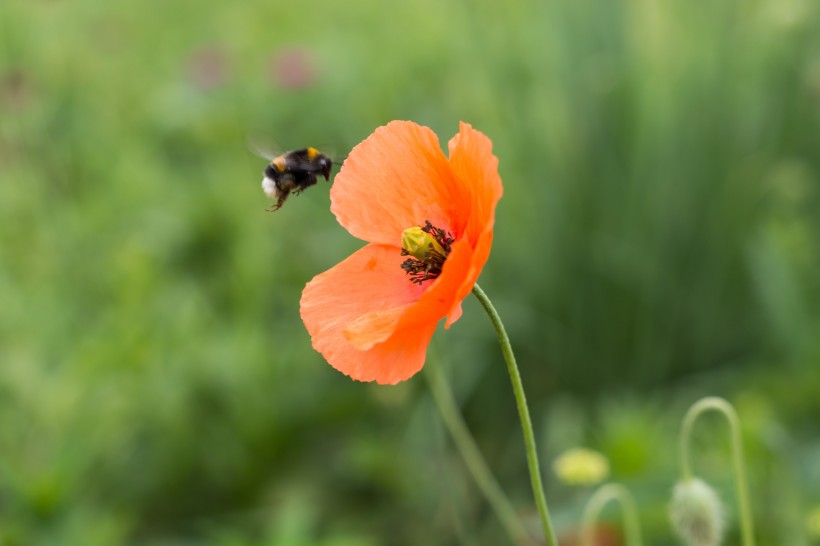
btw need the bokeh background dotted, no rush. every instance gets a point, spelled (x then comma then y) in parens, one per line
(657, 242)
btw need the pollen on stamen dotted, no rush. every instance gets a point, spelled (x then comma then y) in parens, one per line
(428, 247)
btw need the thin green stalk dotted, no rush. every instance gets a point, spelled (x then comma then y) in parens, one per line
(728, 411)
(443, 395)
(523, 414)
(604, 494)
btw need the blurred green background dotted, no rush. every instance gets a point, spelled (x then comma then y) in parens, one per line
(657, 242)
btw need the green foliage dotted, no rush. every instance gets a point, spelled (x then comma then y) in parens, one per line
(657, 241)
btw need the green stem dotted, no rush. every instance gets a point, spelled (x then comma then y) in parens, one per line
(523, 414)
(604, 494)
(728, 411)
(443, 395)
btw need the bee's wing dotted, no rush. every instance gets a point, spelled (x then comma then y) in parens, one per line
(261, 146)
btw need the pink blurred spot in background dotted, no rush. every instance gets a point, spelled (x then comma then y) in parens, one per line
(208, 67)
(293, 68)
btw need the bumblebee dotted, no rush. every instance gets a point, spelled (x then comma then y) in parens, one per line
(292, 172)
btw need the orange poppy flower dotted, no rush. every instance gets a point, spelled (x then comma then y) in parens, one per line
(373, 314)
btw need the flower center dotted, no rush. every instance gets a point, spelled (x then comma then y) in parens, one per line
(428, 247)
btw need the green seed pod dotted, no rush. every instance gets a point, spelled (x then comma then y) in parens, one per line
(419, 243)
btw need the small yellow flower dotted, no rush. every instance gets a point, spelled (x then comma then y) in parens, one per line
(580, 466)
(813, 522)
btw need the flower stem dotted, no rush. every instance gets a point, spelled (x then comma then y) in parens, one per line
(443, 395)
(728, 411)
(523, 414)
(611, 491)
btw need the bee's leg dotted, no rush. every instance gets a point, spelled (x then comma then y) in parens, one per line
(279, 202)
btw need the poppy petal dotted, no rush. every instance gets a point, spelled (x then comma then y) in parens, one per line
(397, 359)
(357, 305)
(472, 161)
(395, 179)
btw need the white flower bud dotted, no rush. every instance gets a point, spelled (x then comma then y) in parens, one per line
(697, 513)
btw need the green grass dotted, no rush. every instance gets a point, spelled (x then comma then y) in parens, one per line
(657, 241)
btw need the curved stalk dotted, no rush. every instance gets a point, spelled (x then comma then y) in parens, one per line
(604, 494)
(727, 410)
(523, 414)
(443, 396)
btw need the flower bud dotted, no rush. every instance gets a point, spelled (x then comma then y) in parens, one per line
(579, 466)
(697, 513)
